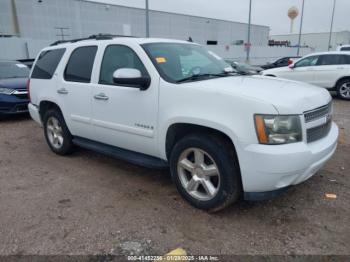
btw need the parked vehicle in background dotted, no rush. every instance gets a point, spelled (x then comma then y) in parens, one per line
(330, 70)
(13, 92)
(280, 62)
(28, 62)
(165, 103)
(343, 48)
(243, 68)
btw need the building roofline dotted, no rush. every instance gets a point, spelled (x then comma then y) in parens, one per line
(172, 13)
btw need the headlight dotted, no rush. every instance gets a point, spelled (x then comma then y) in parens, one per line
(278, 129)
(6, 91)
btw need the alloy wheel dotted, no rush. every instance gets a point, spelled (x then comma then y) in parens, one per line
(54, 132)
(199, 174)
(344, 90)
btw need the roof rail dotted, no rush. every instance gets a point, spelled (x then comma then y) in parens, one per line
(91, 37)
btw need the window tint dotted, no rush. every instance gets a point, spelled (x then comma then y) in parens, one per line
(345, 48)
(344, 59)
(328, 60)
(47, 63)
(333, 60)
(13, 70)
(308, 61)
(79, 67)
(116, 57)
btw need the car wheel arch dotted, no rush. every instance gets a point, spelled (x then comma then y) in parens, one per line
(47, 105)
(341, 79)
(176, 131)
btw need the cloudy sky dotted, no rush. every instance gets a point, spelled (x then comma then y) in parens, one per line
(273, 13)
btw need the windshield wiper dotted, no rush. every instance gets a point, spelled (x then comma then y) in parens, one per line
(202, 76)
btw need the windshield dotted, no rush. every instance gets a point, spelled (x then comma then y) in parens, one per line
(180, 61)
(13, 70)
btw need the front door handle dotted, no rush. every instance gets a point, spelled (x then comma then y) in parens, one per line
(101, 96)
(62, 91)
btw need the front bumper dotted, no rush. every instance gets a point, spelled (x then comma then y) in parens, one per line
(267, 168)
(10, 105)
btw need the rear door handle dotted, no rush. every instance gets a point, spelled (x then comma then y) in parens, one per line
(101, 96)
(62, 91)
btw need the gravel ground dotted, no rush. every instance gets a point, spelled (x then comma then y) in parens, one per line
(91, 204)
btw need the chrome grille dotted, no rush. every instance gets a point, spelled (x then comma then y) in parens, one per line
(318, 132)
(22, 94)
(318, 113)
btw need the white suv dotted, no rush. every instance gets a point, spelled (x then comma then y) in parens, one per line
(160, 103)
(329, 70)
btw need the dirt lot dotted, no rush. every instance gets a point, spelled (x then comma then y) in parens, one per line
(88, 203)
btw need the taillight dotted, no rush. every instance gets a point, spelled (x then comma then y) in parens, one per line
(28, 88)
(290, 62)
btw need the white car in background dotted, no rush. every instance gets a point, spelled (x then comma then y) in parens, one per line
(343, 48)
(330, 70)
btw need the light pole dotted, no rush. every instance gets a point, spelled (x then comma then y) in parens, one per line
(147, 19)
(249, 25)
(331, 31)
(301, 27)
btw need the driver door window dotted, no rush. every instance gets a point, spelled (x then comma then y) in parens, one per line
(117, 57)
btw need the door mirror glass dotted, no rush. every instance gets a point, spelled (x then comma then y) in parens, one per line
(131, 77)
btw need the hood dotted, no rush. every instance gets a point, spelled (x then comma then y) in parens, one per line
(288, 97)
(14, 83)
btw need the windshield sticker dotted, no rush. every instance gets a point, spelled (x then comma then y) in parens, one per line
(21, 66)
(215, 55)
(161, 60)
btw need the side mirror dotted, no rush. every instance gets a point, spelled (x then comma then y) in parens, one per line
(131, 77)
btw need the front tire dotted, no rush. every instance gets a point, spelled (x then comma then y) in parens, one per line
(343, 89)
(205, 171)
(56, 133)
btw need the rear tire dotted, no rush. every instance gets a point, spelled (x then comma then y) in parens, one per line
(343, 89)
(205, 171)
(56, 132)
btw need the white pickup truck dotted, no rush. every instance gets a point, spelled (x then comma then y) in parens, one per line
(165, 103)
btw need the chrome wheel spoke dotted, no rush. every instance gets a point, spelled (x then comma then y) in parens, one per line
(187, 164)
(192, 185)
(198, 157)
(209, 187)
(210, 170)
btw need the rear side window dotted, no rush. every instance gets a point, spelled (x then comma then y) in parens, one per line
(345, 48)
(345, 60)
(333, 60)
(80, 64)
(47, 63)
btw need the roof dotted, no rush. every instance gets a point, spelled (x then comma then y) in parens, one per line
(330, 53)
(91, 40)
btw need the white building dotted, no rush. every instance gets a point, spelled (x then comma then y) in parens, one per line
(56, 19)
(316, 41)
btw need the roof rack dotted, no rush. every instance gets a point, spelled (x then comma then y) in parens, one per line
(91, 37)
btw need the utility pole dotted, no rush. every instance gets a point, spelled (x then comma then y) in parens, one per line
(249, 25)
(301, 27)
(147, 19)
(331, 31)
(62, 34)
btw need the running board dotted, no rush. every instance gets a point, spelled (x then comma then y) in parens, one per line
(123, 154)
